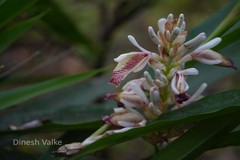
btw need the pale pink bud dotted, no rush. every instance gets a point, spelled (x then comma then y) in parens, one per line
(170, 18)
(212, 58)
(68, 149)
(161, 25)
(127, 119)
(153, 36)
(180, 20)
(189, 71)
(214, 42)
(195, 41)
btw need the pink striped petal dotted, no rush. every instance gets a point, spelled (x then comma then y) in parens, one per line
(131, 62)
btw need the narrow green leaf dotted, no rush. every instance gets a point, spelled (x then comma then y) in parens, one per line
(231, 51)
(61, 24)
(213, 21)
(232, 18)
(12, 33)
(207, 107)
(228, 39)
(9, 9)
(65, 105)
(199, 138)
(21, 94)
(54, 127)
(232, 139)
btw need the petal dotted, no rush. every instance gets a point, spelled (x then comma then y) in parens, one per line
(134, 42)
(126, 124)
(189, 71)
(196, 95)
(213, 58)
(180, 38)
(173, 85)
(139, 92)
(182, 85)
(140, 82)
(214, 42)
(130, 62)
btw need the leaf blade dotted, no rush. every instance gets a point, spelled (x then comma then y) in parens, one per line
(9, 9)
(200, 110)
(199, 138)
(21, 94)
(14, 32)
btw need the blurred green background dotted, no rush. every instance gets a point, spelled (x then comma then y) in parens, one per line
(44, 39)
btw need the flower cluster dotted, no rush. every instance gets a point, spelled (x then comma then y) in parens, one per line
(150, 96)
(145, 99)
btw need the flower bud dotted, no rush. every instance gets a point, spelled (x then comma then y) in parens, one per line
(180, 20)
(195, 41)
(68, 149)
(213, 58)
(148, 78)
(179, 84)
(170, 18)
(214, 42)
(153, 36)
(155, 96)
(126, 119)
(161, 25)
(175, 33)
(161, 77)
(189, 71)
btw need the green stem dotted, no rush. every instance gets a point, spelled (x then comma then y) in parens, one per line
(101, 130)
(227, 23)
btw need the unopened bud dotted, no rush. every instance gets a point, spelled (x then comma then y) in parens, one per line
(161, 25)
(214, 42)
(160, 76)
(180, 20)
(153, 36)
(68, 149)
(168, 36)
(195, 41)
(175, 33)
(170, 18)
(148, 78)
(155, 96)
(213, 58)
(189, 71)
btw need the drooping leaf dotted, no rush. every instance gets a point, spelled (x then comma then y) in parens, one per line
(230, 20)
(15, 96)
(81, 102)
(232, 139)
(229, 38)
(12, 33)
(213, 21)
(54, 127)
(9, 9)
(199, 138)
(61, 24)
(207, 107)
